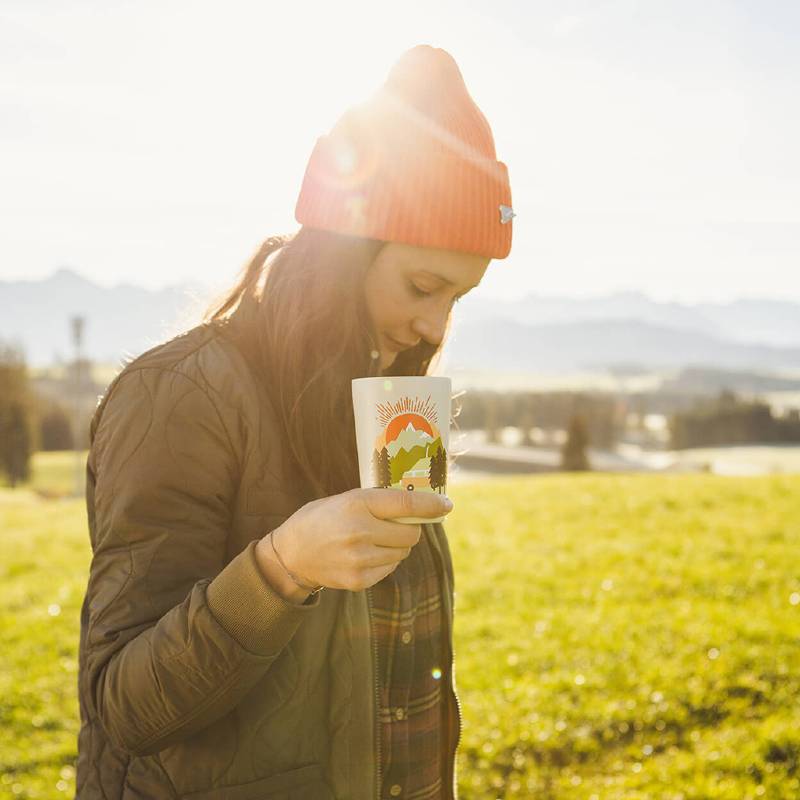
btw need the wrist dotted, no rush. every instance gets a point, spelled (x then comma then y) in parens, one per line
(276, 575)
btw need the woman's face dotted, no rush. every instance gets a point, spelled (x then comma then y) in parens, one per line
(410, 292)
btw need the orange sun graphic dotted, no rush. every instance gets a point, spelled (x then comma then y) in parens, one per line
(399, 423)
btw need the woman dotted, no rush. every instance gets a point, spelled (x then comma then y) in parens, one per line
(223, 491)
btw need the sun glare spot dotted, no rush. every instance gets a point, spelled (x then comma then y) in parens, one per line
(345, 159)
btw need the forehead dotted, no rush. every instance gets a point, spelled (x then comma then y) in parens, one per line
(450, 265)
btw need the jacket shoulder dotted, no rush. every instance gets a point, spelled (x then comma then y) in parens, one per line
(189, 353)
(204, 357)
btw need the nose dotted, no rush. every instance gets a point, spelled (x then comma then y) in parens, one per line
(431, 326)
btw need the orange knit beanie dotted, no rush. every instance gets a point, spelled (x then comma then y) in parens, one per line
(415, 163)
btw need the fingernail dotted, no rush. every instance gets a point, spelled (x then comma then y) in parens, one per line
(448, 503)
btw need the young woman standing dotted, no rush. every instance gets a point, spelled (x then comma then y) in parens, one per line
(255, 625)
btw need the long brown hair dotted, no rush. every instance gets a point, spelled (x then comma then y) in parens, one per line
(298, 312)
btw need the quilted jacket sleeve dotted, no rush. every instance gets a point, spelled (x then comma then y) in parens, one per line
(176, 636)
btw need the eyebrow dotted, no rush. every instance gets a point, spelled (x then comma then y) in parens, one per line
(446, 280)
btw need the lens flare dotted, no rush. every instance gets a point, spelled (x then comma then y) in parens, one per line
(345, 165)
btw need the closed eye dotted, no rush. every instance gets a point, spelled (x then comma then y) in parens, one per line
(415, 290)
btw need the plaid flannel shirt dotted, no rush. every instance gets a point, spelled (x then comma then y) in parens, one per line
(407, 610)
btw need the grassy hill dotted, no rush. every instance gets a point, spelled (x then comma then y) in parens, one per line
(617, 636)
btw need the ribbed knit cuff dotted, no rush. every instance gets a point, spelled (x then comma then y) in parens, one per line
(417, 196)
(250, 610)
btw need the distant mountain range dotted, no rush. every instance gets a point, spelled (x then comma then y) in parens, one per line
(769, 322)
(504, 345)
(532, 334)
(121, 320)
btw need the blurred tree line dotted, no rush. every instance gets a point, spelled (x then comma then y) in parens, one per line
(601, 416)
(728, 419)
(16, 416)
(574, 457)
(601, 419)
(28, 422)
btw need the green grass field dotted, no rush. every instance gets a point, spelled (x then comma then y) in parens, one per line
(617, 636)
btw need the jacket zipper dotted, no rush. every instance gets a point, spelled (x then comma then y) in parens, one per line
(451, 688)
(458, 718)
(458, 722)
(375, 667)
(455, 694)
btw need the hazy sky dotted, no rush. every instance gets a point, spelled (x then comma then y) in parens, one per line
(651, 145)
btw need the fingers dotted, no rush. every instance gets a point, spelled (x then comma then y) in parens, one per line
(372, 576)
(383, 533)
(384, 556)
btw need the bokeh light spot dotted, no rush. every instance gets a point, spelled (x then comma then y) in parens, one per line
(345, 159)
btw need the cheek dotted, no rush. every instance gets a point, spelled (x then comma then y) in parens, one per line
(388, 305)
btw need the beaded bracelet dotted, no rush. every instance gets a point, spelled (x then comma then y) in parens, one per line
(312, 590)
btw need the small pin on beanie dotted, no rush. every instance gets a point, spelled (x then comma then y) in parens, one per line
(415, 163)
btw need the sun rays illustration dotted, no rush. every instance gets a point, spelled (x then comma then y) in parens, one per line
(407, 405)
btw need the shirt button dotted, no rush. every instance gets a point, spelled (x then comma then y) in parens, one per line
(406, 637)
(399, 713)
(395, 790)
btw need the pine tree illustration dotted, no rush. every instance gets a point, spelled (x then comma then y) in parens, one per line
(438, 472)
(381, 469)
(376, 468)
(434, 470)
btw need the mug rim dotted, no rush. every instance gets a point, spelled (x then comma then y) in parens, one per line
(404, 378)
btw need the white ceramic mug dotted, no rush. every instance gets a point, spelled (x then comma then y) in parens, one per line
(403, 434)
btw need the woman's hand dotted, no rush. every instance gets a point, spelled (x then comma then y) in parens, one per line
(347, 541)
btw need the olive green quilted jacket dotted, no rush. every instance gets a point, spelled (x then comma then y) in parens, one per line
(196, 679)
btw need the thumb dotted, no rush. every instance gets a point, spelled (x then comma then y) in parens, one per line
(390, 503)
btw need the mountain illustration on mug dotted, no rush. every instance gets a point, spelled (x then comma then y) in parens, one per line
(409, 453)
